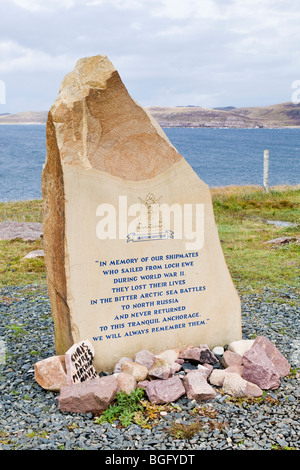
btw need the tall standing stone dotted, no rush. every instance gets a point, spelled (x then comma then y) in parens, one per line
(132, 250)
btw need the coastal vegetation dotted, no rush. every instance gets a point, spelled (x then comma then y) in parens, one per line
(247, 219)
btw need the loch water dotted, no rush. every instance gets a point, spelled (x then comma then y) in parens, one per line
(220, 157)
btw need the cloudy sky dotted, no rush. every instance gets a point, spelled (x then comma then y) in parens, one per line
(168, 52)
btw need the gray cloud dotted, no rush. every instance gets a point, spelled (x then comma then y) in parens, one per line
(168, 52)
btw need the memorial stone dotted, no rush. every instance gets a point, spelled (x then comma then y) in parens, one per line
(133, 257)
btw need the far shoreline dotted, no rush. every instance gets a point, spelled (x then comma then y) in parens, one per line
(164, 127)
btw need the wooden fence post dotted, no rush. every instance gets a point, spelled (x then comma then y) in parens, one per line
(266, 171)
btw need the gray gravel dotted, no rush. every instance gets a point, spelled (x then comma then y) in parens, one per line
(30, 419)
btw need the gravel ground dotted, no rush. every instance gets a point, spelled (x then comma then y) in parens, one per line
(30, 418)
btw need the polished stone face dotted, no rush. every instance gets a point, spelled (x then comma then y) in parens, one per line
(131, 246)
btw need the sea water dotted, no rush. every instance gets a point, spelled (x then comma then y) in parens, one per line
(220, 157)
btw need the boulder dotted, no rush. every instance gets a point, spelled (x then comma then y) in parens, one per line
(165, 391)
(231, 358)
(126, 382)
(118, 365)
(205, 370)
(90, 396)
(138, 371)
(281, 364)
(35, 254)
(197, 388)
(143, 383)
(164, 370)
(190, 354)
(208, 366)
(218, 375)
(27, 231)
(170, 355)
(241, 346)
(145, 358)
(259, 369)
(51, 373)
(236, 386)
(206, 356)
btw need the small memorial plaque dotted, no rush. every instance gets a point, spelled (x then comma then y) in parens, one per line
(79, 362)
(132, 251)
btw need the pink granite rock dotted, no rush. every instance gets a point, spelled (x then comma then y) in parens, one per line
(231, 358)
(197, 388)
(206, 356)
(190, 354)
(169, 355)
(241, 346)
(165, 391)
(281, 364)
(259, 369)
(50, 373)
(218, 375)
(208, 366)
(90, 396)
(164, 370)
(143, 383)
(145, 358)
(205, 370)
(126, 382)
(28, 231)
(138, 371)
(236, 386)
(118, 365)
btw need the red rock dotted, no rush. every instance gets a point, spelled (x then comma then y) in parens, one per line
(126, 382)
(134, 368)
(218, 375)
(241, 346)
(145, 358)
(281, 364)
(143, 383)
(259, 369)
(90, 396)
(205, 370)
(169, 355)
(197, 388)
(50, 373)
(206, 356)
(118, 365)
(208, 366)
(28, 231)
(236, 386)
(231, 358)
(165, 391)
(164, 370)
(190, 354)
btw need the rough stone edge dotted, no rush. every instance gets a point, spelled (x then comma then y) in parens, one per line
(54, 240)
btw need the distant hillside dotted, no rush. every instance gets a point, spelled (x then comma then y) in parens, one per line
(284, 114)
(278, 115)
(200, 117)
(27, 117)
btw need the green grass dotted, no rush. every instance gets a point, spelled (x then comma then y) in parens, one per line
(124, 408)
(14, 269)
(241, 214)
